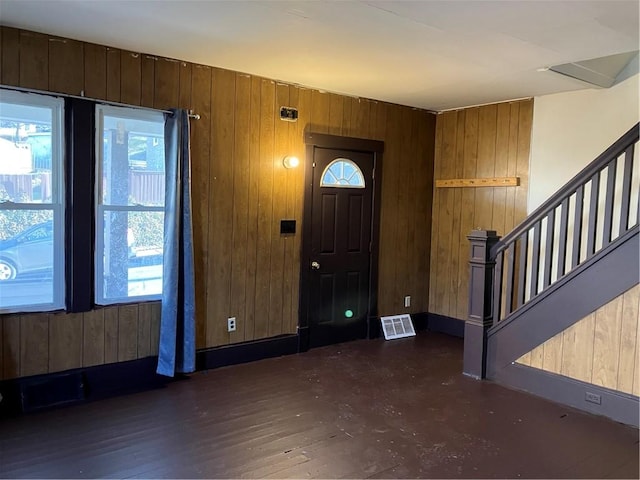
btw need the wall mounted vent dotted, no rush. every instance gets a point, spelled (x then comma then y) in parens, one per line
(397, 326)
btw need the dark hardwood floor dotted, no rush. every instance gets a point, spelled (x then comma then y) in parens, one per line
(365, 409)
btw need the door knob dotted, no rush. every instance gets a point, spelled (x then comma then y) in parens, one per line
(315, 266)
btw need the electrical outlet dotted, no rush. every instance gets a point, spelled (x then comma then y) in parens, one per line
(407, 301)
(592, 398)
(231, 324)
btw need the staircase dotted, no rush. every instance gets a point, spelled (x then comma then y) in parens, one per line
(575, 253)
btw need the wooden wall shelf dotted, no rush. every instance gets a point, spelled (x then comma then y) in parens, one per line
(479, 182)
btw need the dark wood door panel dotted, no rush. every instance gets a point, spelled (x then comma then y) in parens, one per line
(341, 235)
(340, 243)
(327, 227)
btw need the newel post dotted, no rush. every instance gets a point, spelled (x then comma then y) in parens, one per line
(480, 295)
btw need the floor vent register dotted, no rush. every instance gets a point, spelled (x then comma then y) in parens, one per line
(397, 326)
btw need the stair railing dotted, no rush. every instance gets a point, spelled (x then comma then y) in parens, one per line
(597, 206)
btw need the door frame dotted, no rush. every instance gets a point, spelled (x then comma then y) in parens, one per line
(376, 148)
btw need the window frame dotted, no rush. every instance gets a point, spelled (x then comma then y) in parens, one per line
(76, 210)
(341, 160)
(102, 110)
(58, 195)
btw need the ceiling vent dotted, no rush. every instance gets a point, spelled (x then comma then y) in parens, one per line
(603, 71)
(397, 326)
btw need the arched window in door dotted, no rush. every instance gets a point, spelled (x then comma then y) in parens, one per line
(344, 173)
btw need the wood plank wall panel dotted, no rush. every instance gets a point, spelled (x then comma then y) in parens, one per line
(525, 124)
(467, 211)
(166, 89)
(628, 369)
(403, 184)
(391, 214)
(127, 332)
(474, 142)
(34, 344)
(114, 74)
(95, 71)
(487, 128)
(435, 217)
(253, 180)
(240, 190)
(422, 221)
(459, 212)
(10, 74)
(11, 346)
(220, 190)
(130, 72)
(503, 122)
(446, 210)
(186, 74)
(147, 79)
(93, 333)
(111, 335)
(65, 341)
(2, 40)
(512, 162)
(154, 334)
(278, 202)
(602, 349)
(289, 179)
(606, 343)
(144, 330)
(34, 60)
(66, 56)
(419, 214)
(265, 210)
(200, 148)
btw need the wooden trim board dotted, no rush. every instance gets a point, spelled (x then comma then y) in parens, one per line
(478, 182)
(584, 396)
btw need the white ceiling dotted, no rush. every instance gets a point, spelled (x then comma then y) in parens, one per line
(431, 54)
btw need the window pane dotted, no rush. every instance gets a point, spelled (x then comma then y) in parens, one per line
(130, 213)
(342, 172)
(27, 150)
(132, 166)
(131, 249)
(27, 259)
(31, 196)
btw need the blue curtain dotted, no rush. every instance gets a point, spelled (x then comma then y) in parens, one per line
(177, 350)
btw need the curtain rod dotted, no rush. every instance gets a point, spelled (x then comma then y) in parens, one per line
(195, 116)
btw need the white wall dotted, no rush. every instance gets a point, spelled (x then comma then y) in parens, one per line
(571, 129)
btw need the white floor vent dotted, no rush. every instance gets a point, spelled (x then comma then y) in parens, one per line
(397, 326)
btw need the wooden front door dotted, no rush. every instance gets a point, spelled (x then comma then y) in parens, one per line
(338, 247)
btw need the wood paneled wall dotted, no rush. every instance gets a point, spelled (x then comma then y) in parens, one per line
(240, 191)
(602, 349)
(34, 344)
(478, 142)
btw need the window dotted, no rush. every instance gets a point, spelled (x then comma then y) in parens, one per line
(130, 204)
(31, 202)
(80, 225)
(342, 172)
